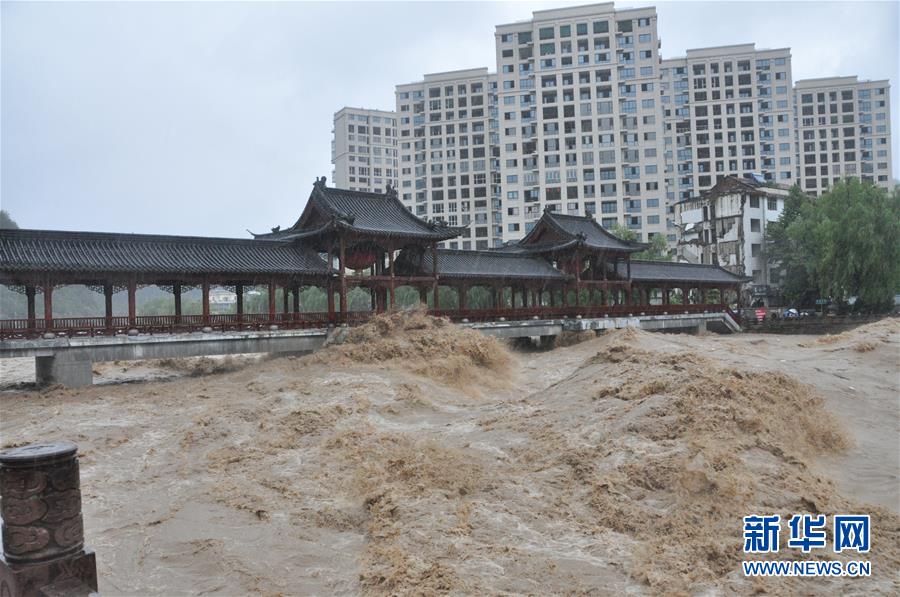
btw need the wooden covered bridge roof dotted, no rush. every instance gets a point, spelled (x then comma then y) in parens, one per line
(674, 271)
(363, 213)
(454, 263)
(295, 251)
(87, 252)
(557, 232)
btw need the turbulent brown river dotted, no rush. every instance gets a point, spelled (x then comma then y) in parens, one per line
(422, 458)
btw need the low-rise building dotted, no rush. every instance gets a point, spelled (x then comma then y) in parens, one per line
(726, 226)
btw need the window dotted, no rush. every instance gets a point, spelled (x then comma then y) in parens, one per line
(755, 249)
(545, 33)
(601, 26)
(754, 225)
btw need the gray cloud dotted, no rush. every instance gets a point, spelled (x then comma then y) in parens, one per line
(209, 118)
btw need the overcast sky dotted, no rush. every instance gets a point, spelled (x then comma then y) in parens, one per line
(210, 118)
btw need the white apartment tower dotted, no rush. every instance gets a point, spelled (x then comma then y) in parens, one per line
(843, 129)
(364, 149)
(580, 118)
(727, 112)
(449, 153)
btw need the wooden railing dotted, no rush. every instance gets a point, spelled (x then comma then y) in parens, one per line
(170, 324)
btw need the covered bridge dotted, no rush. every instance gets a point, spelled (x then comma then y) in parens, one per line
(566, 265)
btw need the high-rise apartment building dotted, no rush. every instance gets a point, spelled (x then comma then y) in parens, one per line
(449, 153)
(727, 112)
(364, 149)
(580, 118)
(843, 129)
(584, 117)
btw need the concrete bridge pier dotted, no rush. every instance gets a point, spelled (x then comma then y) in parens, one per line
(73, 370)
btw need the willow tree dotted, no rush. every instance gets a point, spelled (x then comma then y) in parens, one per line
(847, 242)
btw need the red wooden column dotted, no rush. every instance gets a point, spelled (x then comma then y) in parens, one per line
(285, 299)
(271, 309)
(393, 280)
(132, 302)
(577, 278)
(329, 289)
(296, 292)
(423, 295)
(239, 301)
(463, 297)
(29, 295)
(204, 301)
(48, 305)
(107, 300)
(434, 272)
(176, 290)
(343, 274)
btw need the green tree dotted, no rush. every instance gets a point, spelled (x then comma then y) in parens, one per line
(782, 252)
(846, 243)
(6, 221)
(658, 249)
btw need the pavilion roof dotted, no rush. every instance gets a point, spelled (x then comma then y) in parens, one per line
(674, 271)
(565, 231)
(85, 252)
(374, 214)
(453, 263)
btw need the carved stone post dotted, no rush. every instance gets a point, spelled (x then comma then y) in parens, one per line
(43, 533)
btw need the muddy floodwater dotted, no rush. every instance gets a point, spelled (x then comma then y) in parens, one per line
(422, 458)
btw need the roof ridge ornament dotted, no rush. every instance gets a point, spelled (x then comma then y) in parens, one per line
(390, 191)
(320, 183)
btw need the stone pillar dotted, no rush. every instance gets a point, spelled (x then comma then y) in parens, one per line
(69, 369)
(43, 532)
